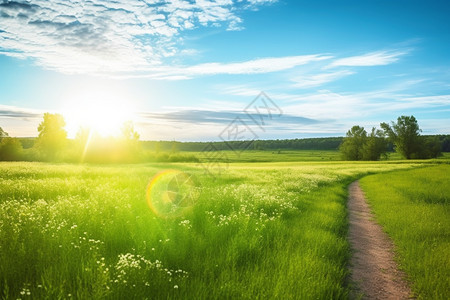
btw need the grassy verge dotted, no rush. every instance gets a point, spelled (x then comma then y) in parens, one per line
(414, 209)
(273, 230)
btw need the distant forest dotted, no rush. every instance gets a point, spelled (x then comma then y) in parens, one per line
(327, 143)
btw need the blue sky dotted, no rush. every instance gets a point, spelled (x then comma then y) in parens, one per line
(184, 70)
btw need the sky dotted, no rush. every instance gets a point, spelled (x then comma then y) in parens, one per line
(212, 70)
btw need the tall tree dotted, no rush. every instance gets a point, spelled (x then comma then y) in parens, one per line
(52, 137)
(405, 134)
(130, 142)
(352, 146)
(3, 134)
(375, 146)
(128, 132)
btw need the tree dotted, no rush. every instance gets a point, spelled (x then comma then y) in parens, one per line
(431, 147)
(10, 149)
(130, 142)
(405, 134)
(357, 145)
(3, 134)
(128, 132)
(375, 145)
(352, 146)
(52, 137)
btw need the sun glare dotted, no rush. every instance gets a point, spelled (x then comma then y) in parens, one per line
(102, 113)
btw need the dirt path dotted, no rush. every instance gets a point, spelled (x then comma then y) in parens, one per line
(374, 273)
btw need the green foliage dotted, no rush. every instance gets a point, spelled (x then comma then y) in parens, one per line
(52, 137)
(330, 143)
(3, 134)
(445, 141)
(128, 132)
(405, 134)
(131, 148)
(414, 209)
(430, 147)
(352, 146)
(10, 149)
(260, 231)
(375, 146)
(93, 148)
(358, 146)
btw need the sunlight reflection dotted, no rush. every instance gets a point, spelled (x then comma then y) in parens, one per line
(171, 192)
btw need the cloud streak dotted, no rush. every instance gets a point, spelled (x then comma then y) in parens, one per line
(319, 79)
(18, 112)
(255, 66)
(208, 117)
(378, 58)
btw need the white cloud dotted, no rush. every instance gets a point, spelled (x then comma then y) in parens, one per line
(255, 66)
(328, 105)
(377, 58)
(7, 111)
(262, 65)
(108, 36)
(319, 79)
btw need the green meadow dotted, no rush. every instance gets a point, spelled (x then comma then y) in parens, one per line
(414, 209)
(255, 231)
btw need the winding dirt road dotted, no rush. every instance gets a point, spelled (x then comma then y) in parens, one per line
(374, 273)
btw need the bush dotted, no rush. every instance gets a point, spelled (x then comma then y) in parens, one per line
(11, 149)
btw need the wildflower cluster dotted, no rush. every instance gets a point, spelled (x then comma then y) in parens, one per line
(186, 224)
(134, 270)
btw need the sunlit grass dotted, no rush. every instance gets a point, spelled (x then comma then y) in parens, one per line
(414, 208)
(273, 230)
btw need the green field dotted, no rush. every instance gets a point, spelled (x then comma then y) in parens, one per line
(271, 156)
(257, 231)
(414, 208)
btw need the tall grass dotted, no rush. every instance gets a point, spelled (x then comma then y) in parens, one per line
(414, 209)
(258, 231)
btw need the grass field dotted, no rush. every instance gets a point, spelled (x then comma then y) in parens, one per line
(288, 156)
(274, 156)
(414, 209)
(267, 230)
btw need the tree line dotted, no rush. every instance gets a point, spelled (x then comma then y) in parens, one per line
(330, 143)
(403, 134)
(52, 144)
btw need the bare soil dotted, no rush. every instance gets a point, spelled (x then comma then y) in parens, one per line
(374, 272)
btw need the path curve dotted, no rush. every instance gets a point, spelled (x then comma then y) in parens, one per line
(374, 273)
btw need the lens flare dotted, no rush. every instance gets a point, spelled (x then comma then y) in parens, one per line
(171, 192)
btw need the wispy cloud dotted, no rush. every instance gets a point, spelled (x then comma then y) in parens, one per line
(319, 79)
(18, 112)
(320, 104)
(206, 117)
(255, 66)
(201, 124)
(378, 58)
(108, 36)
(327, 105)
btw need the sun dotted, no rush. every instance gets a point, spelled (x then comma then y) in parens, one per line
(101, 112)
